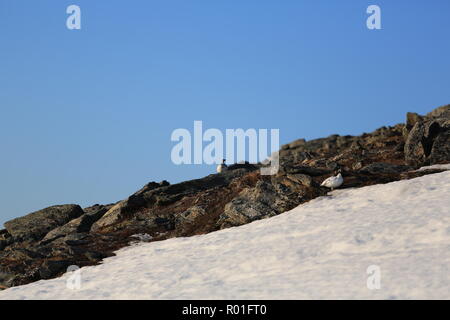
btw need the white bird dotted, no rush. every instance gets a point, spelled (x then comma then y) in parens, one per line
(333, 181)
(222, 167)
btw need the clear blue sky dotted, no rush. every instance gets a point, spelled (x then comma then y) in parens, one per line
(86, 116)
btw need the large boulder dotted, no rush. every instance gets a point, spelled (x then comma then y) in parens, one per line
(112, 216)
(252, 204)
(37, 224)
(440, 151)
(80, 224)
(414, 147)
(429, 139)
(268, 198)
(411, 119)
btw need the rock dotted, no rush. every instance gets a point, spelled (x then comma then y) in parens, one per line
(357, 165)
(51, 268)
(80, 224)
(441, 112)
(5, 239)
(22, 254)
(4, 234)
(37, 224)
(304, 179)
(400, 147)
(246, 165)
(112, 216)
(311, 171)
(190, 215)
(76, 239)
(164, 196)
(251, 204)
(440, 151)
(414, 149)
(297, 143)
(95, 256)
(384, 168)
(356, 146)
(427, 142)
(268, 198)
(411, 119)
(6, 279)
(152, 186)
(141, 237)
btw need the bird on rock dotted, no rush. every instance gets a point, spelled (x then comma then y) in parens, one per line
(333, 181)
(222, 167)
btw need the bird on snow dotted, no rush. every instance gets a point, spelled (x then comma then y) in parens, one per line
(333, 181)
(222, 167)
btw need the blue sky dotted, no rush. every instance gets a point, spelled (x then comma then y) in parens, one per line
(86, 115)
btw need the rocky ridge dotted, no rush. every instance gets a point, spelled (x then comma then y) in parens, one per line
(41, 245)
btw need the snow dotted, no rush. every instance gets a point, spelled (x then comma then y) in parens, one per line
(435, 167)
(319, 250)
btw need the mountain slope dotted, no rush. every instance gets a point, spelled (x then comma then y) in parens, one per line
(42, 244)
(319, 250)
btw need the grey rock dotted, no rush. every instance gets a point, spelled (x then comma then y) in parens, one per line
(311, 171)
(80, 224)
(414, 148)
(94, 256)
(440, 151)
(6, 279)
(386, 168)
(356, 146)
(190, 215)
(427, 143)
(297, 143)
(37, 224)
(357, 165)
(268, 198)
(76, 239)
(164, 195)
(411, 119)
(251, 204)
(304, 179)
(246, 165)
(51, 268)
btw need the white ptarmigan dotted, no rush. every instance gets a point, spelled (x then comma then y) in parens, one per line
(333, 181)
(222, 167)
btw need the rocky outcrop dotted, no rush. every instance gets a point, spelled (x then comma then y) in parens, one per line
(43, 244)
(164, 194)
(428, 141)
(268, 198)
(36, 225)
(80, 224)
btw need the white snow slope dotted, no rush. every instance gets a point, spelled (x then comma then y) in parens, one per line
(319, 250)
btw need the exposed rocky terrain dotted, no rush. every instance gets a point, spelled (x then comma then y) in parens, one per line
(41, 245)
